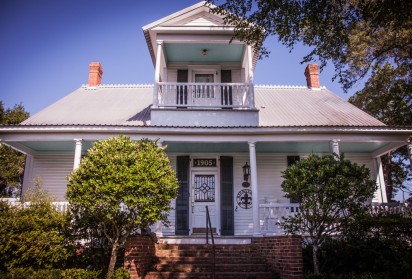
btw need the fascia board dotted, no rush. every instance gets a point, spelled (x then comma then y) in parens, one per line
(189, 11)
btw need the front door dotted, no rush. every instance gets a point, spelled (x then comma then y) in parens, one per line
(203, 186)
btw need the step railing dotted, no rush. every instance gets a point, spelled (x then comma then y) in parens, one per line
(203, 95)
(209, 227)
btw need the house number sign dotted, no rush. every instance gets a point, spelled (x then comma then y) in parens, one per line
(204, 163)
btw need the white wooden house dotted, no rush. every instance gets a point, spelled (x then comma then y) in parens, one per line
(214, 120)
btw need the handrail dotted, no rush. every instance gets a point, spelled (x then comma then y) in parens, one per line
(209, 226)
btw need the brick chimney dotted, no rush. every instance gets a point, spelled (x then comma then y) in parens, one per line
(95, 74)
(312, 76)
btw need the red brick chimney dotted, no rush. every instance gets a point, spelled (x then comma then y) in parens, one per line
(312, 76)
(95, 74)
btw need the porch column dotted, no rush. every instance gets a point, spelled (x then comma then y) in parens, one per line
(157, 74)
(255, 192)
(77, 153)
(410, 152)
(335, 148)
(380, 194)
(250, 69)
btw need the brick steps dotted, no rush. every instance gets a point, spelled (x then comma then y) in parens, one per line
(241, 261)
(208, 275)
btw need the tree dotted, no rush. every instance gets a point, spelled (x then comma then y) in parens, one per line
(387, 95)
(331, 193)
(32, 235)
(355, 36)
(12, 162)
(362, 39)
(123, 185)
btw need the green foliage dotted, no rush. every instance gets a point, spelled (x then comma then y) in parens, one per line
(29, 273)
(121, 273)
(120, 186)
(377, 245)
(331, 193)
(12, 162)
(387, 96)
(31, 235)
(390, 258)
(354, 35)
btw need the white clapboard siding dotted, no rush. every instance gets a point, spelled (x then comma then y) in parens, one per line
(51, 170)
(237, 76)
(270, 167)
(171, 75)
(201, 19)
(243, 217)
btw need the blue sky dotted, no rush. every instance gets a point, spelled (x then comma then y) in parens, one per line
(47, 45)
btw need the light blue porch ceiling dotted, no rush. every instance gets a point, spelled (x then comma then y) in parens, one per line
(54, 146)
(192, 53)
(223, 147)
(272, 147)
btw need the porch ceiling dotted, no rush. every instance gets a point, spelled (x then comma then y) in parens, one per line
(217, 147)
(272, 147)
(192, 53)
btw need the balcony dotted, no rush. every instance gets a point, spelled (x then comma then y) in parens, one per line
(204, 95)
(203, 104)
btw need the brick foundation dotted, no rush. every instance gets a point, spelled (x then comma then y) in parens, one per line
(139, 253)
(283, 253)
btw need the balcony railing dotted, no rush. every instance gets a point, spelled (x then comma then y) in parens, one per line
(203, 95)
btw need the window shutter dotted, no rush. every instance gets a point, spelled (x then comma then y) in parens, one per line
(181, 94)
(226, 91)
(226, 196)
(182, 201)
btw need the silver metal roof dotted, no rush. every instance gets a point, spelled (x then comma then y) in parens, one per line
(130, 105)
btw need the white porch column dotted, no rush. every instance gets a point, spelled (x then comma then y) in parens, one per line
(335, 148)
(77, 153)
(255, 192)
(380, 194)
(157, 74)
(250, 72)
(410, 152)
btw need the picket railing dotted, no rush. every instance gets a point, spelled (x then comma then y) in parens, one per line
(272, 215)
(203, 95)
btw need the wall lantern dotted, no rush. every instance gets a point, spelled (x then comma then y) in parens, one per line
(246, 174)
(205, 52)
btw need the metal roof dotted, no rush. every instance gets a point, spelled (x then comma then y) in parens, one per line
(129, 105)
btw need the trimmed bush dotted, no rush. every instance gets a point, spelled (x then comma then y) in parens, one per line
(29, 273)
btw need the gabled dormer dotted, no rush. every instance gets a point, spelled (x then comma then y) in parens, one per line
(203, 76)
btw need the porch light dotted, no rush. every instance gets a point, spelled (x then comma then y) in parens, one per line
(205, 52)
(246, 174)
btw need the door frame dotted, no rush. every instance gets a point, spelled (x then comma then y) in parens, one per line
(204, 69)
(215, 171)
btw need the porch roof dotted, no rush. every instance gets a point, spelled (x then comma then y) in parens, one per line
(129, 105)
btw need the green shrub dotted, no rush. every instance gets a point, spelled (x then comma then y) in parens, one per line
(120, 273)
(32, 235)
(389, 258)
(29, 273)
